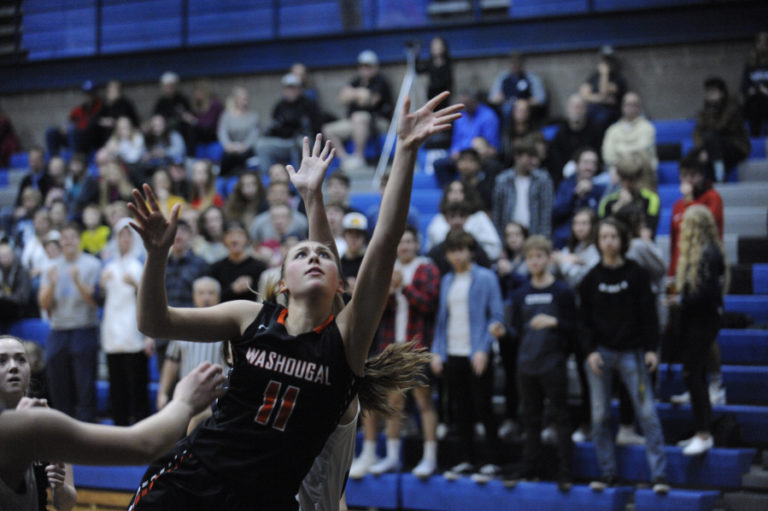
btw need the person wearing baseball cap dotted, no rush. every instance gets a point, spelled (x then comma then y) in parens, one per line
(355, 232)
(368, 99)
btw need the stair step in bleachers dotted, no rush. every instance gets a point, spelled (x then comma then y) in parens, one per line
(744, 384)
(754, 169)
(743, 194)
(677, 421)
(668, 173)
(674, 130)
(752, 249)
(19, 161)
(721, 468)
(760, 278)
(758, 147)
(381, 492)
(756, 306)
(746, 347)
(745, 501)
(676, 500)
(746, 220)
(540, 8)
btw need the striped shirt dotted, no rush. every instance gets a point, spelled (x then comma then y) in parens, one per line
(191, 354)
(540, 201)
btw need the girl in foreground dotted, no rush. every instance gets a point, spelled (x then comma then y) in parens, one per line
(296, 368)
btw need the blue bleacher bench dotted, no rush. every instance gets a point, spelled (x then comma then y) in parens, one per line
(756, 306)
(760, 279)
(108, 478)
(674, 130)
(677, 421)
(744, 384)
(31, 329)
(676, 500)
(382, 491)
(745, 347)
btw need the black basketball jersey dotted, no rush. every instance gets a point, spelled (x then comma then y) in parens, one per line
(286, 395)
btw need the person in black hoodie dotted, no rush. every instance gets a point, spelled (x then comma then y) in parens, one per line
(293, 117)
(621, 335)
(701, 278)
(543, 320)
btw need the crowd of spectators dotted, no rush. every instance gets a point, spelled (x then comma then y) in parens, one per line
(585, 201)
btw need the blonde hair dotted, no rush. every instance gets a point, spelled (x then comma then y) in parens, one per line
(399, 368)
(697, 232)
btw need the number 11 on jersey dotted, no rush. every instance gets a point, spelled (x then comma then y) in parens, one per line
(287, 403)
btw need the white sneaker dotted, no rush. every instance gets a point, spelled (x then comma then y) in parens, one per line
(549, 435)
(508, 429)
(462, 469)
(424, 469)
(628, 436)
(479, 430)
(442, 431)
(684, 443)
(716, 396)
(698, 446)
(680, 399)
(579, 436)
(361, 466)
(486, 473)
(385, 465)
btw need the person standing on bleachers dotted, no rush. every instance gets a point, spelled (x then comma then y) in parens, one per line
(621, 333)
(293, 117)
(720, 130)
(702, 278)
(127, 350)
(524, 193)
(368, 99)
(578, 131)
(16, 294)
(575, 193)
(754, 86)
(632, 133)
(67, 293)
(204, 116)
(238, 273)
(456, 214)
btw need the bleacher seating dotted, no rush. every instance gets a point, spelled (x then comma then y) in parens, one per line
(539, 8)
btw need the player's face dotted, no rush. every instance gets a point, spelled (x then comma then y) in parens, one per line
(311, 267)
(14, 371)
(536, 261)
(609, 241)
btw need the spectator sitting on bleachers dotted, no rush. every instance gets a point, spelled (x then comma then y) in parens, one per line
(335, 212)
(477, 120)
(203, 187)
(355, 231)
(516, 83)
(456, 215)
(603, 91)
(16, 293)
(208, 244)
(81, 187)
(247, 199)
(462, 354)
(180, 184)
(113, 184)
(57, 172)
(543, 324)
(114, 213)
(59, 214)
(720, 130)
(293, 117)
(368, 100)
(271, 276)
(621, 336)
(518, 126)
(472, 173)
(238, 272)
(267, 247)
(127, 350)
(19, 224)
(695, 189)
(478, 223)
(337, 187)
(278, 192)
(238, 132)
(754, 86)
(173, 104)
(37, 175)
(204, 117)
(127, 146)
(372, 214)
(9, 141)
(299, 70)
(577, 132)
(438, 68)
(102, 125)
(183, 356)
(574, 193)
(632, 133)
(33, 256)
(161, 184)
(630, 171)
(95, 233)
(524, 193)
(74, 135)
(67, 294)
(164, 145)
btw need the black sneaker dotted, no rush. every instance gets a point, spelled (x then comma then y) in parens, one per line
(510, 478)
(660, 486)
(601, 484)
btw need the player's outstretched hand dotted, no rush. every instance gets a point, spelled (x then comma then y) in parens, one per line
(201, 386)
(155, 230)
(414, 128)
(309, 178)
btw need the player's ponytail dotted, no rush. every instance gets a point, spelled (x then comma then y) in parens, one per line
(398, 368)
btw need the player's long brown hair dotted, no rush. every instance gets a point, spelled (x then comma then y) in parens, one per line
(399, 368)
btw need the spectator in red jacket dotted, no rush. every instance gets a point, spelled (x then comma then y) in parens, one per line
(696, 188)
(73, 135)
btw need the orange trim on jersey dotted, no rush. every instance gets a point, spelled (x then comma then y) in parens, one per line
(317, 329)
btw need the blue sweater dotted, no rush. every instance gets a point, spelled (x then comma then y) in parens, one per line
(486, 308)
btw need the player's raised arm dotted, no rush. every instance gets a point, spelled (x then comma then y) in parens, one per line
(359, 320)
(155, 317)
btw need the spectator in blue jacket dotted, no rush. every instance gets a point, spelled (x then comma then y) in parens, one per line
(470, 301)
(574, 193)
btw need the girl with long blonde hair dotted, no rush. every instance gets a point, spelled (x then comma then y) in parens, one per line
(702, 277)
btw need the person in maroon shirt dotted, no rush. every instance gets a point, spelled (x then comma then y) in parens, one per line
(696, 189)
